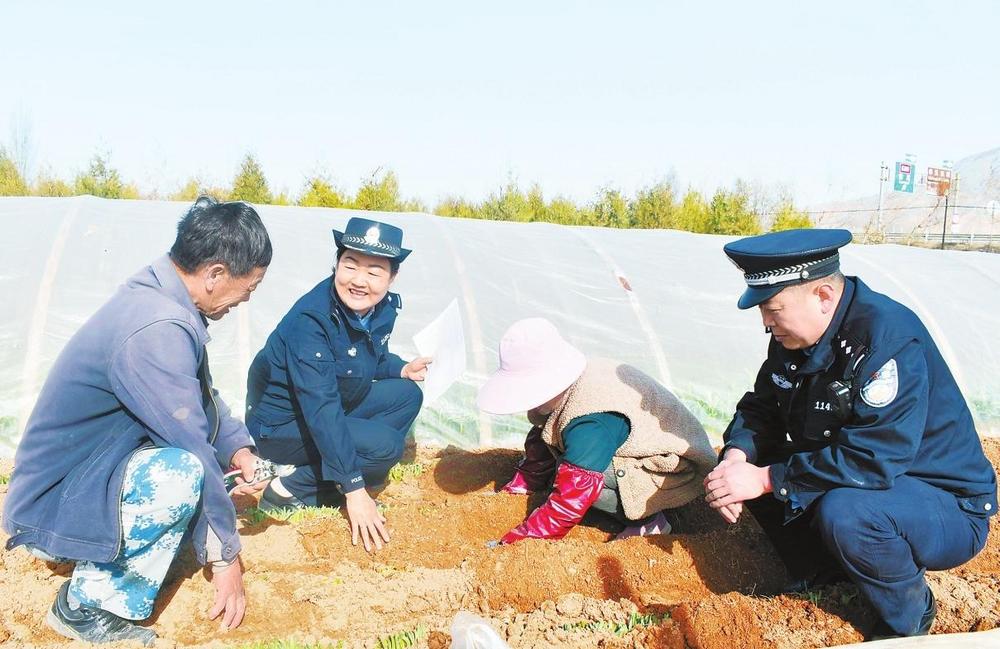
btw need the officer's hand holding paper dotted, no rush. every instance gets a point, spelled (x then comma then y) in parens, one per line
(444, 341)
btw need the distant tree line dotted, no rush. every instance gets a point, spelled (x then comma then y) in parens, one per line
(741, 210)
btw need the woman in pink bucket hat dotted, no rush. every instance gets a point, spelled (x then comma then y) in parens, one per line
(604, 435)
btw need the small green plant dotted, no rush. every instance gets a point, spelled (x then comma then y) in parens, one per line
(814, 597)
(289, 644)
(312, 513)
(402, 471)
(256, 516)
(847, 598)
(620, 628)
(4, 478)
(385, 570)
(403, 639)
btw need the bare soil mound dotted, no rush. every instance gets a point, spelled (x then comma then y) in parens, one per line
(703, 586)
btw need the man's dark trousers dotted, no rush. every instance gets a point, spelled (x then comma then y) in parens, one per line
(883, 539)
(378, 427)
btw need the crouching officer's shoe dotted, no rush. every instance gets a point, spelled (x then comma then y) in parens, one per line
(826, 576)
(272, 501)
(883, 631)
(94, 625)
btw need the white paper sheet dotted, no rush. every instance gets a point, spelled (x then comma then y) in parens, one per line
(444, 341)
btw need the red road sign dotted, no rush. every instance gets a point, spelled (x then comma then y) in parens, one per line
(936, 176)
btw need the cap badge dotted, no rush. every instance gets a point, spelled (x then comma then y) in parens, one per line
(372, 236)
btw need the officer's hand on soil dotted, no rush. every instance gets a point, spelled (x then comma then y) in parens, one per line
(416, 369)
(230, 600)
(733, 482)
(246, 461)
(366, 521)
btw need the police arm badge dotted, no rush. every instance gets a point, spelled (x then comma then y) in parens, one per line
(882, 387)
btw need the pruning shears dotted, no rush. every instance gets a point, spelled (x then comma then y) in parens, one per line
(263, 470)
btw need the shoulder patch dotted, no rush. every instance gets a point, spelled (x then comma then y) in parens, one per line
(781, 381)
(881, 388)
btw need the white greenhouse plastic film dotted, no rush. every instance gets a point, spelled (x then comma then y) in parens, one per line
(662, 300)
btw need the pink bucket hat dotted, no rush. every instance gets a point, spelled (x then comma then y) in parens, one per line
(536, 364)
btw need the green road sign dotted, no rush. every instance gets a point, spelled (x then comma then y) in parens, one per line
(904, 177)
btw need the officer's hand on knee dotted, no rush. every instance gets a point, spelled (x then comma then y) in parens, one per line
(366, 521)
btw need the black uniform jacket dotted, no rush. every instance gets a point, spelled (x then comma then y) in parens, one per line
(872, 400)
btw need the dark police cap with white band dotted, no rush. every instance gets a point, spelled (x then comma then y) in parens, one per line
(773, 261)
(372, 238)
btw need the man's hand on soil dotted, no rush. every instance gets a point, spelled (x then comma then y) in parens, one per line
(229, 595)
(733, 482)
(366, 521)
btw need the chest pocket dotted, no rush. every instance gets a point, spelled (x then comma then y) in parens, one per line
(352, 380)
(349, 368)
(823, 420)
(315, 367)
(829, 399)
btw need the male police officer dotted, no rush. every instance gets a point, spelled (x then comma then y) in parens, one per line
(855, 450)
(128, 441)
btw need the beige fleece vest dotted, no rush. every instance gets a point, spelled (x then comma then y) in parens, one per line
(667, 453)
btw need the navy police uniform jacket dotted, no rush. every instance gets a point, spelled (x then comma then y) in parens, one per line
(871, 401)
(317, 366)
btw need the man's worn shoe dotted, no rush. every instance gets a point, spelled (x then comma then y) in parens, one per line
(272, 501)
(883, 631)
(94, 625)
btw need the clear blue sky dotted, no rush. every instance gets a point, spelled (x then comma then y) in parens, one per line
(454, 96)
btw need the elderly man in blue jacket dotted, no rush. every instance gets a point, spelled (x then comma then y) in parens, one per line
(855, 451)
(128, 441)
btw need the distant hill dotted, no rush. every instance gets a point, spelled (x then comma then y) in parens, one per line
(979, 183)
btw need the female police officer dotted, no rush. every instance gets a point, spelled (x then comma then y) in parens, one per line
(326, 395)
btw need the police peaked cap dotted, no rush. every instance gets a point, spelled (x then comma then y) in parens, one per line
(372, 238)
(773, 261)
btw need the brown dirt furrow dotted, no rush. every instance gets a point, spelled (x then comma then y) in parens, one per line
(306, 581)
